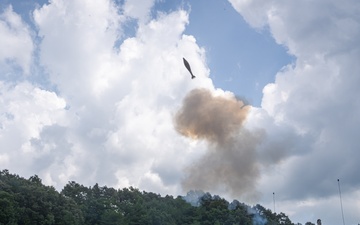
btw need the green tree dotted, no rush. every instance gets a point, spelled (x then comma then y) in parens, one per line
(28, 201)
(7, 208)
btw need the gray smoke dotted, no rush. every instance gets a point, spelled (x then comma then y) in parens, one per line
(230, 164)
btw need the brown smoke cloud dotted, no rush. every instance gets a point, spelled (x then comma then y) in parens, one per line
(204, 116)
(230, 163)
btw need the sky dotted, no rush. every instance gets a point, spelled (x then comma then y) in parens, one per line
(96, 92)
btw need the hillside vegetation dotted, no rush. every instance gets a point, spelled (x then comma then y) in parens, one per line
(28, 201)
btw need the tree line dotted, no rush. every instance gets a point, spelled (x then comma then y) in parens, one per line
(28, 201)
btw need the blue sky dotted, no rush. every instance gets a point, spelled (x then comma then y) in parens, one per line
(96, 91)
(241, 59)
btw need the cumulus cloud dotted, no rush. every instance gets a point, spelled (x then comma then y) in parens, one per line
(316, 97)
(108, 115)
(108, 118)
(138, 9)
(16, 44)
(25, 111)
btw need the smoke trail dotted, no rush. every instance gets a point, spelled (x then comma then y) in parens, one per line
(230, 163)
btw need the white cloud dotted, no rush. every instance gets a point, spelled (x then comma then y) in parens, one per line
(111, 118)
(253, 11)
(77, 44)
(138, 9)
(316, 97)
(15, 43)
(25, 111)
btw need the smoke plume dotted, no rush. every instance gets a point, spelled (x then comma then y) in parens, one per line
(230, 163)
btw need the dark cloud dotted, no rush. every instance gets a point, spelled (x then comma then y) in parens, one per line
(169, 173)
(50, 147)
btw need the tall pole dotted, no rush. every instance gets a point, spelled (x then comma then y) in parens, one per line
(342, 211)
(274, 201)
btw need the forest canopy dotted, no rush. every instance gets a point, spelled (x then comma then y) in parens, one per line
(29, 201)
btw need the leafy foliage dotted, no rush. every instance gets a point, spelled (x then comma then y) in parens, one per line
(25, 201)
(28, 201)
